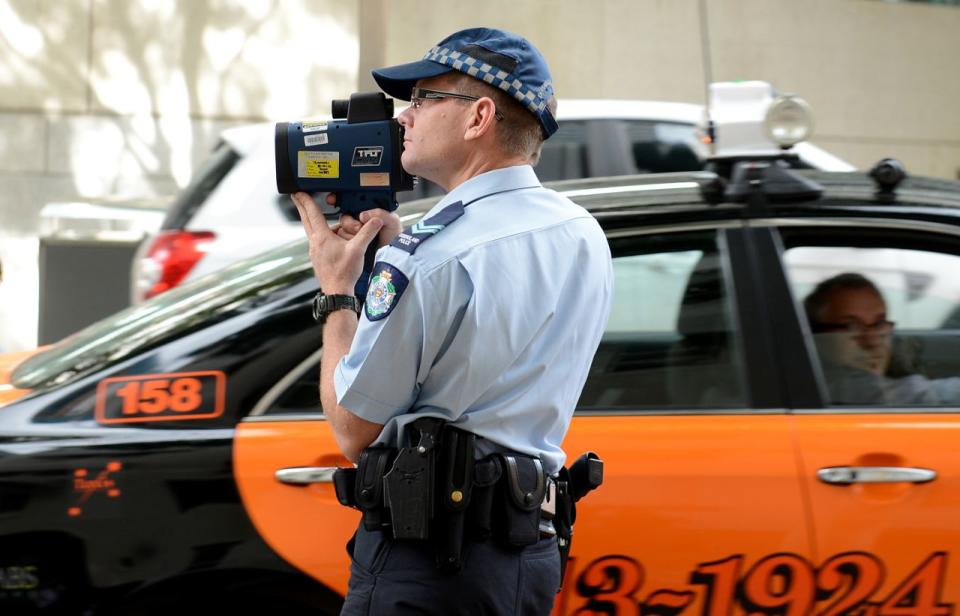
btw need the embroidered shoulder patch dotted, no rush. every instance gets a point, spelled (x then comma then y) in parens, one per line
(387, 284)
(413, 236)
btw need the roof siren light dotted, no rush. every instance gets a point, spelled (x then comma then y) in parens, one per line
(750, 119)
(789, 120)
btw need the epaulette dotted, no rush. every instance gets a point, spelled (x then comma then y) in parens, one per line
(413, 236)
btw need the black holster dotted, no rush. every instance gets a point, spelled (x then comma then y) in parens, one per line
(408, 486)
(583, 476)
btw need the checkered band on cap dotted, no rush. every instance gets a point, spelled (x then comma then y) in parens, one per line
(534, 100)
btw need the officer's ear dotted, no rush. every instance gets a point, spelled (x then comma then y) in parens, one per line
(480, 119)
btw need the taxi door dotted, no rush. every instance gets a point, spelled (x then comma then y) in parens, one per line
(284, 464)
(885, 491)
(701, 511)
(880, 460)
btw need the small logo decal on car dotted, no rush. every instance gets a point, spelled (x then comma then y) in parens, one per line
(86, 484)
(161, 397)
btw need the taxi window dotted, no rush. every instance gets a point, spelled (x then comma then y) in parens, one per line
(671, 342)
(884, 319)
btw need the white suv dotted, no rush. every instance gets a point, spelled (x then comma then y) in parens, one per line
(231, 208)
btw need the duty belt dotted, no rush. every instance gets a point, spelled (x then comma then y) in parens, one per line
(437, 490)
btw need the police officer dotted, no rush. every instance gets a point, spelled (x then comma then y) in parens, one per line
(486, 313)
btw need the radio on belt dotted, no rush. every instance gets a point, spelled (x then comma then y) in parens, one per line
(356, 155)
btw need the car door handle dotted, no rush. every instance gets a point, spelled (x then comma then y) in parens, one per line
(843, 475)
(305, 475)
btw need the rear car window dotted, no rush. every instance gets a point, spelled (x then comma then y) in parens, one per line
(671, 341)
(601, 148)
(204, 181)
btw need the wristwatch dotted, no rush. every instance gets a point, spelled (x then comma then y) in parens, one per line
(325, 304)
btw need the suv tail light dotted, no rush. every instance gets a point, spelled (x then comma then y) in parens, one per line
(169, 258)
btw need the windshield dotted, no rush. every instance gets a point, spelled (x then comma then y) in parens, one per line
(165, 316)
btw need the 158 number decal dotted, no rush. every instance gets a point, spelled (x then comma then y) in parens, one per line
(161, 397)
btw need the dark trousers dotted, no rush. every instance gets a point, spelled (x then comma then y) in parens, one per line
(400, 577)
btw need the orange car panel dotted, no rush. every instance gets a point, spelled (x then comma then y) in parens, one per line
(306, 525)
(688, 506)
(8, 363)
(910, 529)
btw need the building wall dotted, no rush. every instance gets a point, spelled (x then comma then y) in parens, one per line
(124, 98)
(883, 79)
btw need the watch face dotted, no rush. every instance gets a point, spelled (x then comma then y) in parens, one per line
(319, 302)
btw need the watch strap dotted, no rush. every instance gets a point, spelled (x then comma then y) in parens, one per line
(323, 305)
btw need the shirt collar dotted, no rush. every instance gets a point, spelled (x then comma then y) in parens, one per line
(507, 178)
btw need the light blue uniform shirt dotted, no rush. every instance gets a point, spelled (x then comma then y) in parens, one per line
(497, 325)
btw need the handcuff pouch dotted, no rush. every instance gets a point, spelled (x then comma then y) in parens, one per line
(523, 488)
(368, 491)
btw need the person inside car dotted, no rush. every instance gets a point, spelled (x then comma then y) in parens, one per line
(854, 339)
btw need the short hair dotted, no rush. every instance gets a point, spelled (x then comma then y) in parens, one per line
(820, 297)
(519, 133)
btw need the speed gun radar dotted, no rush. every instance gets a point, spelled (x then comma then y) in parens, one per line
(356, 155)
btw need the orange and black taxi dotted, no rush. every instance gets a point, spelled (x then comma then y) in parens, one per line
(776, 400)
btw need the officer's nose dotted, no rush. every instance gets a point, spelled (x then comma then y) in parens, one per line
(406, 117)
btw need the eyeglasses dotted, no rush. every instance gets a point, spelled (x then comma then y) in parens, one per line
(857, 328)
(418, 95)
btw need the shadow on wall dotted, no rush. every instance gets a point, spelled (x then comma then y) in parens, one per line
(135, 94)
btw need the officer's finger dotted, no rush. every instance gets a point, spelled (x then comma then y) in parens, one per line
(331, 198)
(391, 223)
(310, 214)
(367, 233)
(350, 223)
(303, 217)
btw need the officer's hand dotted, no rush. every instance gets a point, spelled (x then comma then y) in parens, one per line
(337, 262)
(350, 226)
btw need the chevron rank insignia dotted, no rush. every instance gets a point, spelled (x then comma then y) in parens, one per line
(387, 283)
(412, 237)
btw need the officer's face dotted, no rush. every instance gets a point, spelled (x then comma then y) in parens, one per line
(860, 335)
(433, 141)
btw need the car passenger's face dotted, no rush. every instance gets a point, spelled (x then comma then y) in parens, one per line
(433, 142)
(867, 350)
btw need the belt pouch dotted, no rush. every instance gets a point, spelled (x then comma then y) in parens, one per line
(455, 470)
(486, 474)
(368, 491)
(344, 484)
(522, 490)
